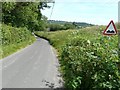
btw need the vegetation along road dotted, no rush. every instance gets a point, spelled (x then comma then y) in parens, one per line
(36, 66)
(88, 59)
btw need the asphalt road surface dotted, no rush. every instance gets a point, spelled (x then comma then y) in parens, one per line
(35, 66)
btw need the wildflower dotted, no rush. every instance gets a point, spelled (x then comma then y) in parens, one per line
(88, 41)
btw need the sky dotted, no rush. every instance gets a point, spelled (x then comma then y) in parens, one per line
(96, 12)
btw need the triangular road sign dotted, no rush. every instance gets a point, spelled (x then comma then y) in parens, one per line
(110, 29)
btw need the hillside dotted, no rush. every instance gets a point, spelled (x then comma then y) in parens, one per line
(80, 24)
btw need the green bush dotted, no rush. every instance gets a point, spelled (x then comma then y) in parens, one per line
(118, 25)
(12, 35)
(87, 58)
(90, 65)
(56, 27)
(14, 38)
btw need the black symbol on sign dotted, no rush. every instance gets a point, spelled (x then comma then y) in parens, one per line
(110, 31)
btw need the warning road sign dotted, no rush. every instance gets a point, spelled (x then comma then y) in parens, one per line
(110, 29)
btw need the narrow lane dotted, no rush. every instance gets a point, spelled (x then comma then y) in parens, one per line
(36, 66)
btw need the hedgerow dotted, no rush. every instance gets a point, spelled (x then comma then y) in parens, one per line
(14, 39)
(87, 58)
(90, 65)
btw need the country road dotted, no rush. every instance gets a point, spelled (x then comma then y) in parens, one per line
(35, 66)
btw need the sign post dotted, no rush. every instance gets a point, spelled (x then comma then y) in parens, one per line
(119, 28)
(111, 30)
(119, 34)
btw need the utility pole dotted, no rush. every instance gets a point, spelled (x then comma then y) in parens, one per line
(119, 12)
(119, 30)
(119, 34)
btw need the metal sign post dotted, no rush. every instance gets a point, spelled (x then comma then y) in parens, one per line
(119, 45)
(119, 33)
(112, 30)
(119, 26)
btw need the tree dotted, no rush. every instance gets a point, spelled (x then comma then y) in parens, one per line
(7, 7)
(23, 14)
(69, 26)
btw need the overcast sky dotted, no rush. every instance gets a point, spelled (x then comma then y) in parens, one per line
(90, 11)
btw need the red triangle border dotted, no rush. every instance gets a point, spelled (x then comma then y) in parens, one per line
(108, 26)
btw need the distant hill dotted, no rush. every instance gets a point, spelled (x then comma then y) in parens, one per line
(80, 24)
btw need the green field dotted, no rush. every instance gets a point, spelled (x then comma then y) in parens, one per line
(88, 58)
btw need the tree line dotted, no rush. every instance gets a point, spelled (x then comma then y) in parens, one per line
(55, 25)
(28, 14)
(24, 14)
